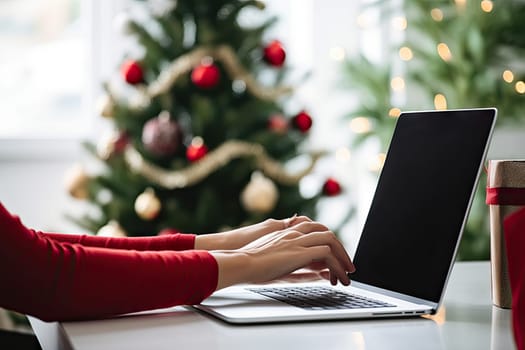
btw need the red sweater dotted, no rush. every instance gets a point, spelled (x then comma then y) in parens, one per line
(70, 277)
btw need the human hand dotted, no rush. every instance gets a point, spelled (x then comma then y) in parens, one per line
(278, 254)
(235, 239)
(303, 275)
(313, 272)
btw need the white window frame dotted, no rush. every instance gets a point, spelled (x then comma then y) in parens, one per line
(103, 49)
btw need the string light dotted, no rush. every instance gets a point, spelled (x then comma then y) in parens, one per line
(197, 141)
(436, 14)
(394, 112)
(378, 162)
(399, 23)
(405, 53)
(397, 84)
(444, 52)
(363, 21)
(440, 102)
(508, 76)
(461, 4)
(520, 87)
(360, 125)
(487, 5)
(337, 53)
(342, 155)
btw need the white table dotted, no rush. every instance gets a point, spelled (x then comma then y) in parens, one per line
(467, 320)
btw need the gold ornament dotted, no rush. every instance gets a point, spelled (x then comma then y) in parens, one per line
(185, 63)
(219, 157)
(111, 229)
(260, 195)
(76, 182)
(106, 106)
(147, 205)
(106, 146)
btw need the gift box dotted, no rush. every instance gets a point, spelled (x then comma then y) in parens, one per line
(506, 200)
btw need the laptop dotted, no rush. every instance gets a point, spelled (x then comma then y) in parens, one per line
(410, 237)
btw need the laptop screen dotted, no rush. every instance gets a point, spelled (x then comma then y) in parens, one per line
(422, 200)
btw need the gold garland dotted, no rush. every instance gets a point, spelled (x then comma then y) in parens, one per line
(217, 158)
(185, 63)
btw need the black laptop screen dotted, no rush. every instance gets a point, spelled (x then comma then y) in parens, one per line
(422, 197)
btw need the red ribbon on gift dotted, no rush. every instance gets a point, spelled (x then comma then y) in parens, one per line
(505, 196)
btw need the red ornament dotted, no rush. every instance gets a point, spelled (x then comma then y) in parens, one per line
(132, 72)
(331, 187)
(274, 53)
(278, 123)
(161, 136)
(302, 121)
(206, 75)
(113, 145)
(168, 231)
(121, 142)
(196, 150)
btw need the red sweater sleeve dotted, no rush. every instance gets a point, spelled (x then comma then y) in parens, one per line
(55, 280)
(175, 241)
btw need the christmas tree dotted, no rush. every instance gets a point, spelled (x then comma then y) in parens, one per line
(202, 132)
(454, 54)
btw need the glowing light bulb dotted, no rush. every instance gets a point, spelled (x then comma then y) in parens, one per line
(378, 162)
(444, 52)
(197, 141)
(487, 5)
(397, 84)
(399, 23)
(363, 21)
(360, 125)
(342, 155)
(440, 102)
(394, 112)
(520, 87)
(436, 14)
(337, 53)
(461, 4)
(508, 76)
(405, 53)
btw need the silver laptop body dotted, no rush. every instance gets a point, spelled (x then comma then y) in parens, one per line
(411, 236)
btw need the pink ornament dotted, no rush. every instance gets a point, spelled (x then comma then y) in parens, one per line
(161, 136)
(278, 123)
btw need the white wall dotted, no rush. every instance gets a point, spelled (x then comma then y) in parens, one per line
(32, 184)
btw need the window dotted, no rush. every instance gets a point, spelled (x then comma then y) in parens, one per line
(42, 72)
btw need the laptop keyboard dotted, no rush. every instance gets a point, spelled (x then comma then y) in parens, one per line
(319, 298)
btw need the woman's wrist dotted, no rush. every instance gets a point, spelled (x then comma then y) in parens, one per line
(237, 238)
(210, 241)
(233, 267)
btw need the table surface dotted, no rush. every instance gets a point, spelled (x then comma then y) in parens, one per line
(466, 320)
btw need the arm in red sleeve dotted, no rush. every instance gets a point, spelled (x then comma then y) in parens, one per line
(175, 241)
(54, 280)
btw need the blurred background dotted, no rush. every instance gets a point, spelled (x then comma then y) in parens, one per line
(74, 72)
